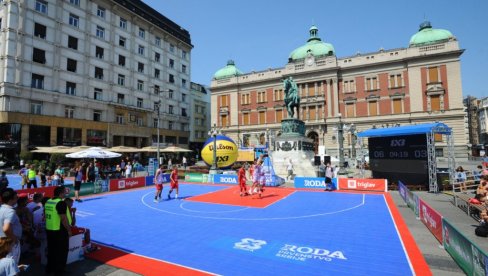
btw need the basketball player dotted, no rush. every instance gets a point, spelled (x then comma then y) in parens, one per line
(158, 182)
(174, 182)
(241, 177)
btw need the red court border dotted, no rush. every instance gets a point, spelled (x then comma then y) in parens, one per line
(417, 260)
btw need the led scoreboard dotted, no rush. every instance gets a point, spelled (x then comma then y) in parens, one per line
(402, 158)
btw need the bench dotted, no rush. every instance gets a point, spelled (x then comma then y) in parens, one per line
(456, 186)
(461, 200)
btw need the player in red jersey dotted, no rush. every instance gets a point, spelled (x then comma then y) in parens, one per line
(241, 177)
(174, 182)
(158, 182)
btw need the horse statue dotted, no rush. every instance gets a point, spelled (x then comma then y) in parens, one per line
(292, 99)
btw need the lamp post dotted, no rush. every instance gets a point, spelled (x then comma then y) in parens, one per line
(340, 134)
(157, 105)
(213, 132)
(352, 129)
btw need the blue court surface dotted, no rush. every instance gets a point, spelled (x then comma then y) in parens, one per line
(14, 181)
(305, 233)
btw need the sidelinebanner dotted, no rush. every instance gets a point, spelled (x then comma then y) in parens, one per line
(366, 184)
(127, 183)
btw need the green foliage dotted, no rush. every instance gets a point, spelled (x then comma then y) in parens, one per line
(57, 158)
(26, 156)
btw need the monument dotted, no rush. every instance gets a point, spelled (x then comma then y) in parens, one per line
(292, 143)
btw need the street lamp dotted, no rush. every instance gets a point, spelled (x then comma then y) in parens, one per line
(157, 105)
(340, 134)
(213, 132)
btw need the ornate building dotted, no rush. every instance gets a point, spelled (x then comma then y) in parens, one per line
(82, 72)
(417, 84)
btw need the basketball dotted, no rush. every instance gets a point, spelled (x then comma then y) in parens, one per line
(226, 151)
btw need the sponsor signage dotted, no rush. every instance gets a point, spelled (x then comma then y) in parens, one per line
(127, 183)
(88, 188)
(45, 191)
(225, 179)
(458, 247)
(402, 189)
(313, 182)
(194, 177)
(150, 179)
(367, 184)
(432, 219)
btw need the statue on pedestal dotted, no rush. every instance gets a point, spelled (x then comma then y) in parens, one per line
(292, 99)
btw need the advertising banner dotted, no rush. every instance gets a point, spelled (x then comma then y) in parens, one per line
(127, 183)
(402, 189)
(458, 246)
(367, 184)
(432, 219)
(152, 166)
(45, 191)
(100, 186)
(150, 179)
(313, 182)
(225, 179)
(194, 177)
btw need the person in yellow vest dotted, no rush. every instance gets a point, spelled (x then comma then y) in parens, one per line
(58, 232)
(31, 174)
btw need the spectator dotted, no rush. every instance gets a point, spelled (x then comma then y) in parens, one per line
(8, 266)
(28, 240)
(60, 172)
(289, 169)
(35, 203)
(122, 167)
(39, 225)
(128, 170)
(118, 172)
(184, 162)
(9, 222)
(31, 174)
(322, 169)
(90, 173)
(170, 164)
(78, 181)
(58, 231)
(461, 179)
(23, 174)
(75, 230)
(482, 189)
(42, 176)
(329, 174)
(3, 180)
(84, 173)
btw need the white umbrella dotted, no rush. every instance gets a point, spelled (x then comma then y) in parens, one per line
(175, 149)
(125, 149)
(94, 153)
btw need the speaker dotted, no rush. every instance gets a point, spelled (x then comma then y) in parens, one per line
(316, 160)
(326, 159)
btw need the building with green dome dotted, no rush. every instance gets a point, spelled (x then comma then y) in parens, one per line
(415, 83)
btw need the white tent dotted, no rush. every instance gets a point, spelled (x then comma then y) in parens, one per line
(94, 153)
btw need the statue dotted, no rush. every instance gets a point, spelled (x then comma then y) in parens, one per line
(292, 99)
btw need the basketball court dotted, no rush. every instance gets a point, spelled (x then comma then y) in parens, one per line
(212, 230)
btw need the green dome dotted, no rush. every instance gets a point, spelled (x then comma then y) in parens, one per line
(314, 45)
(228, 71)
(427, 35)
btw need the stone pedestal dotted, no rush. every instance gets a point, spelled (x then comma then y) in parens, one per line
(293, 144)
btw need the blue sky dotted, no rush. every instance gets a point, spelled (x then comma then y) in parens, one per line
(260, 34)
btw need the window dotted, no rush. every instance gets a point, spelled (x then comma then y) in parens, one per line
(71, 65)
(349, 86)
(121, 80)
(120, 98)
(97, 94)
(140, 85)
(246, 118)
(170, 109)
(349, 110)
(171, 48)
(142, 33)
(101, 12)
(40, 30)
(279, 115)
(397, 106)
(171, 63)
(36, 108)
(262, 117)
(371, 84)
(140, 67)
(140, 50)
(98, 73)
(435, 103)
(121, 60)
(157, 73)
(245, 99)
(437, 137)
(373, 108)
(156, 89)
(184, 127)
(183, 83)
(123, 23)
(122, 41)
(157, 41)
(97, 115)
(312, 114)
(140, 121)
(157, 57)
(39, 56)
(171, 78)
(224, 100)
(183, 97)
(433, 75)
(74, 20)
(119, 118)
(99, 52)
(139, 102)
(100, 32)
(70, 88)
(183, 112)
(277, 95)
(75, 2)
(395, 81)
(73, 42)
(261, 96)
(41, 6)
(69, 111)
(183, 54)
(155, 123)
(170, 125)
(183, 69)
(170, 93)
(37, 81)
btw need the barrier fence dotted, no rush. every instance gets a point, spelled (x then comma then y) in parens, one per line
(471, 259)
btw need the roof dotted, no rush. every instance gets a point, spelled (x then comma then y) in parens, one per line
(230, 70)
(428, 35)
(436, 127)
(314, 46)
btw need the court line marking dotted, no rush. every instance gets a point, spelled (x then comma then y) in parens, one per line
(190, 210)
(252, 219)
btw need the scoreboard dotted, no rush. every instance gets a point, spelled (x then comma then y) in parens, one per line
(402, 158)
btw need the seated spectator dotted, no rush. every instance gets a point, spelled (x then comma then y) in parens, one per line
(118, 172)
(8, 266)
(35, 203)
(482, 190)
(461, 179)
(75, 230)
(478, 173)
